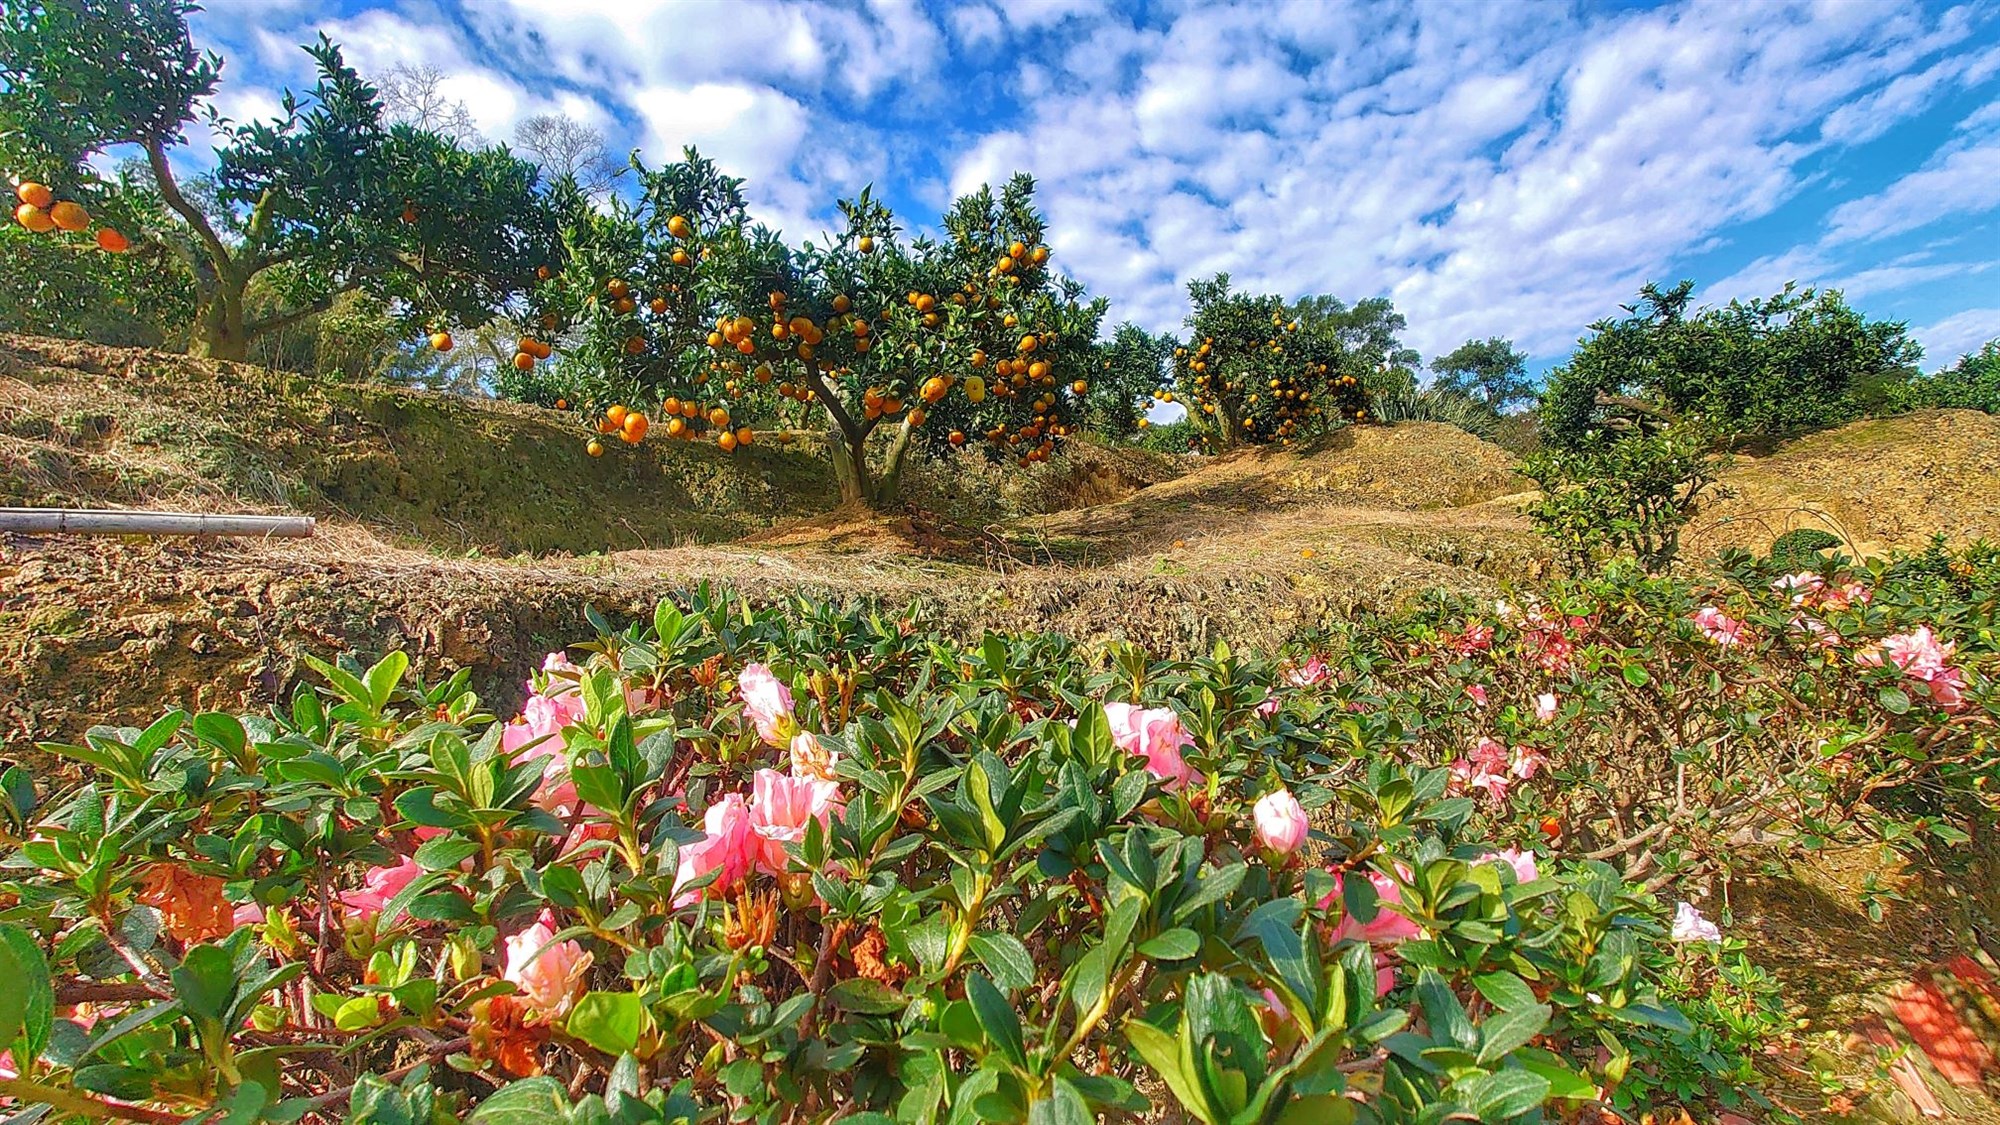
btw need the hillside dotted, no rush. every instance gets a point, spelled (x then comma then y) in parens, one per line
(1254, 547)
(120, 427)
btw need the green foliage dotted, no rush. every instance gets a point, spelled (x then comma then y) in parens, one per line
(1132, 365)
(56, 286)
(324, 200)
(1760, 368)
(1973, 383)
(1008, 907)
(1800, 548)
(1622, 496)
(1260, 371)
(1489, 372)
(1438, 404)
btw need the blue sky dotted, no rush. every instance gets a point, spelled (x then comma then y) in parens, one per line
(1495, 168)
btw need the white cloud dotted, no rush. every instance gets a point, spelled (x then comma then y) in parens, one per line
(1956, 335)
(1965, 181)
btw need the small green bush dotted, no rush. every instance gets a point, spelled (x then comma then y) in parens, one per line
(1973, 383)
(1800, 548)
(1629, 495)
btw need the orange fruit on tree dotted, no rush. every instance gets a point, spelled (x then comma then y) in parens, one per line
(727, 440)
(747, 346)
(1029, 343)
(744, 435)
(1016, 249)
(35, 195)
(635, 345)
(617, 287)
(957, 437)
(841, 304)
(595, 448)
(917, 416)
(441, 341)
(718, 417)
(1079, 387)
(1040, 255)
(680, 258)
(409, 213)
(866, 245)
(935, 389)
(657, 304)
(671, 407)
(523, 361)
(678, 227)
(634, 427)
(111, 242)
(541, 273)
(34, 218)
(805, 351)
(616, 413)
(1005, 265)
(676, 427)
(715, 340)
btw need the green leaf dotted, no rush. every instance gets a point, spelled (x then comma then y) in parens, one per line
(997, 1019)
(869, 997)
(1162, 1052)
(28, 1000)
(445, 852)
(1507, 1093)
(609, 1021)
(1172, 945)
(1503, 1032)
(1894, 700)
(1009, 961)
(535, 1101)
(217, 728)
(1446, 1015)
(1063, 1106)
(206, 981)
(1636, 675)
(1505, 991)
(381, 680)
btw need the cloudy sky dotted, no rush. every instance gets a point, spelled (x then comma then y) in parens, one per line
(1496, 168)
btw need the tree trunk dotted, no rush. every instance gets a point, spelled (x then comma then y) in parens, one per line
(888, 485)
(850, 468)
(219, 331)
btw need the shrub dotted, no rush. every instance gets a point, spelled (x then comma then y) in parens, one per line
(807, 864)
(1430, 404)
(1973, 383)
(1800, 548)
(1629, 495)
(1759, 368)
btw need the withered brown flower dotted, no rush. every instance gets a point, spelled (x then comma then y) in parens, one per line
(501, 1032)
(191, 906)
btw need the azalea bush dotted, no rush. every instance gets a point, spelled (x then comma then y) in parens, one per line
(1684, 726)
(808, 864)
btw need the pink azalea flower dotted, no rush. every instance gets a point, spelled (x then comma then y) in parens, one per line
(767, 702)
(1476, 638)
(1718, 627)
(1485, 770)
(1155, 735)
(1523, 863)
(1921, 656)
(1799, 587)
(1818, 632)
(1269, 707)
(728, 847)
(1689, 925)
(1478, 694)
(1546, 705)
(538, 734)
(248, 914)
(780, 808)
(1310, 674)
(1527, 762)
(7, 1065)
(1388, 926)
(810, 759)
(1849, 593)
(1281, 822)
(1490, 754)
(550, 976)
(378, 887)
(1947, 688)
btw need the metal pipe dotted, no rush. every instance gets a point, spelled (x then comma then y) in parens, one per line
(59, 521)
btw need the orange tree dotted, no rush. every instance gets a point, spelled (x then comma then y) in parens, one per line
(678, 305)
(326, 199)
(1253, 371)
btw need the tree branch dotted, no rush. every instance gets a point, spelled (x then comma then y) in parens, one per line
(170, 191)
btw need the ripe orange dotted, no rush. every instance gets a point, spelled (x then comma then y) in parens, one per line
(617, 287)
(676, 427)
(1079, 387)
(841, 304)
(634, 428)
(34, 218)
(111, 242)
(747, 346)
(595, 448)
(678, 227)
(562, 404)
(657, 304)
(727, 440)
(805, 351)
(441, 341)
(1006, 265)
(744, 435)
(718, 417)
(35, 195)
(957, 437)
(523, 361)
(635, 345)
(681, 258)
(917, 417)
(866, 245)
(1040, 255)
(715, 340)
(1016, 249)
(926, 302)
(616, 414)
(625, 306)
(541, 273)
(409, 213)
(935, 389)
(1029, 343)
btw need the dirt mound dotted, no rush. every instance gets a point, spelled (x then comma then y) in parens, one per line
(1879, 484)
(90, 426)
